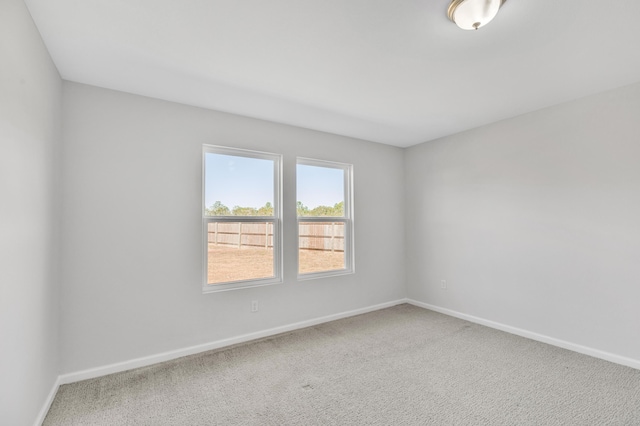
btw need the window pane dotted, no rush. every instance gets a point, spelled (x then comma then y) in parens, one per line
(238, 186)
(239, 251)
(321, 246)
(320, 191)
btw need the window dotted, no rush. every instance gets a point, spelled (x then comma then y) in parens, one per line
(241, 218)
(325, 228)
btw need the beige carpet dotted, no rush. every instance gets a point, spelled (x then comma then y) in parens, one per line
(399, 366)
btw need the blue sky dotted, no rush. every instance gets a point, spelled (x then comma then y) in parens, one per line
(248, 182)
(319, 186)
(238, 181)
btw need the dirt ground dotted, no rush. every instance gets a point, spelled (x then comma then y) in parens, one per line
(233, 264)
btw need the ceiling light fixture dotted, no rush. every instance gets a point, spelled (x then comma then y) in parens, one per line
(473, 14)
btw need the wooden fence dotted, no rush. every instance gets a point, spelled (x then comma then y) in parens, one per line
(324, 236)
(239, 234)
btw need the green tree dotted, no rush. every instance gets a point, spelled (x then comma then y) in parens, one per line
(266, 210)
(322, 211)
(218, 209)
(338, 209)
(244, 211)
(302, 209)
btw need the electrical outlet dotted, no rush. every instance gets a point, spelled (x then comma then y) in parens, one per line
(443, 284)
(254, 306)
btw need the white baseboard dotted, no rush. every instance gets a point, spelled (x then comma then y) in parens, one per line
(47, 403)
(170, 355)
(596, 353)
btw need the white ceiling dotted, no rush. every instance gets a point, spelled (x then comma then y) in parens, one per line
(391, 71)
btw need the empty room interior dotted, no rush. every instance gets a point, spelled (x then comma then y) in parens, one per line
(319, 212)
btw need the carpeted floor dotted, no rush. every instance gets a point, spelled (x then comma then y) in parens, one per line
(398, 366)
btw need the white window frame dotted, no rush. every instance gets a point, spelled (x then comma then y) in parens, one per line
(349, 246)
(276, 219)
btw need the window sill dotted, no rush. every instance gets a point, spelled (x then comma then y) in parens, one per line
(237, 285)
(326, 274)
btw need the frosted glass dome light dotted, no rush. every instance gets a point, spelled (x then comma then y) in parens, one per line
(473, 14)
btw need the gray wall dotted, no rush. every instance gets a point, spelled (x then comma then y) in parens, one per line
(534, 222)
(30, 104)
(132, 227)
